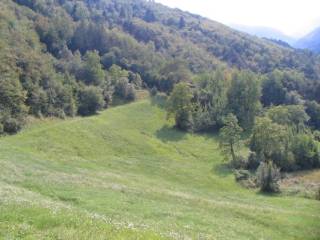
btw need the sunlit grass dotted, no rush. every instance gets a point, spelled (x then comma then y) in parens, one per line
(127, 173)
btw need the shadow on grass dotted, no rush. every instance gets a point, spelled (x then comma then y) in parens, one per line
(268, 194)
(222, 170)
(170, 134)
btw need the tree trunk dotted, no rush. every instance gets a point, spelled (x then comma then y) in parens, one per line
(232, 152)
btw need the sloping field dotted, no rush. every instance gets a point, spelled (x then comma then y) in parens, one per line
(126, 174)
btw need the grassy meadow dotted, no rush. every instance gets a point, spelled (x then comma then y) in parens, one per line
(127, 174)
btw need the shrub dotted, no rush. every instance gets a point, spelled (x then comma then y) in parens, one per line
(253, 161)
(125, 90)
(12, 125)
(306, 151)
(131, 93)
(184, 120)
(241, 175)
(316, 135)
(90, 100)
(153, 91)
(239, 162)
(268, 176)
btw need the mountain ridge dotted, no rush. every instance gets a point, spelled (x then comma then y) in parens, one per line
(310, 41)
(265, 32)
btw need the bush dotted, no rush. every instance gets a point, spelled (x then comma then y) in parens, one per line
(241, 175)
(90, 101)
(125, 90)
(239, 162)
(316, 135)
(306, 151)
(184, 121)
(253, 161)
(268, 176)
(131, 93)
(153, 91)
(12, 125)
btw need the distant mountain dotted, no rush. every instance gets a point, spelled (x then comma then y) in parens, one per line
(265, 32)
(311, 41)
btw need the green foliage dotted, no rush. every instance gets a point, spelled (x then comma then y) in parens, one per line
(48, 42)
(12, 103)
(293, 116)
(273, 91)
(244, 97)
(212, 98)
(268, 138)
(154, 91)
(92, 74)
(278, 138)
(316, 135)
(230, 136)
(241, 175)
(172, 73)
(306, 151)
(90, 100)
(50, 48)
(180, 106)
(313, 110)
(55, 33)
(268, 176)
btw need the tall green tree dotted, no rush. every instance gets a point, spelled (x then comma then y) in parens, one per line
(230, 136)
(212, 96)
(313, 110)
(12, 102)
(268, 138)
(273, 90)
(93, 74)
(244, 97)
(292, 116)
(90, 100)
(306, 151)
(180, 106)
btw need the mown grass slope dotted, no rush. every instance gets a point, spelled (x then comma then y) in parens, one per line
(126, 174)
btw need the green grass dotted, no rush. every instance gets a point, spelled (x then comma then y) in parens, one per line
(126, 174)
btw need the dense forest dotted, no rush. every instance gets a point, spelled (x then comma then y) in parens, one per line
(64, 58)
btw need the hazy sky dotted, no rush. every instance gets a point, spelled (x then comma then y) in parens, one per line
(292, 17)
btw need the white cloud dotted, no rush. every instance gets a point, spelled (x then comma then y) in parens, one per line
(293, 17)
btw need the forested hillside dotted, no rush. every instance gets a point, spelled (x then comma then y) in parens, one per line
(224, 142)
(66, 57)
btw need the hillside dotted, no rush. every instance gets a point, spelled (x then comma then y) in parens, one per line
(127, 174)
(58, 55)
(311, 41)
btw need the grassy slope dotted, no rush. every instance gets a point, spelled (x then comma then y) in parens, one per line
(126, 174)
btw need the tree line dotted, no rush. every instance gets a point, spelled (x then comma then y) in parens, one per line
(67, 57)
(283, 128)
